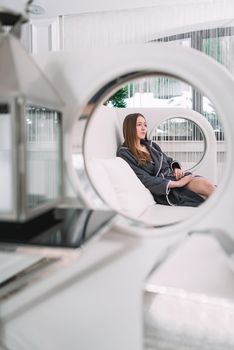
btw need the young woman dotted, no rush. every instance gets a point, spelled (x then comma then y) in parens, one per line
(159, 173)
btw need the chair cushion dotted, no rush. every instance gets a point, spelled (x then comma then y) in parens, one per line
(132, 196)
(102, 182)
(166, 215)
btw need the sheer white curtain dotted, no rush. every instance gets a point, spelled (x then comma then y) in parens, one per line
(92, 30)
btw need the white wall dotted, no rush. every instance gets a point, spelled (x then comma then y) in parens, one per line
(112, 24)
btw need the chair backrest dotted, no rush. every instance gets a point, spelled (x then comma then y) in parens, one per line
(112, 177)
(103, 134)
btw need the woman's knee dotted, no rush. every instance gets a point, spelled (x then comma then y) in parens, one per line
(210, 187)
(201, 186)
(207, 186)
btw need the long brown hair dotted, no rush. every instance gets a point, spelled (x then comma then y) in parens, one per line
(130, 138)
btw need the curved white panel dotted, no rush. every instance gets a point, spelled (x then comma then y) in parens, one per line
(80, 80)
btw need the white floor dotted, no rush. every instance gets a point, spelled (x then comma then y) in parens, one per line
(96, 302)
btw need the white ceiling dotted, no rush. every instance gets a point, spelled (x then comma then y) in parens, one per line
(65, 7)
(53, 8)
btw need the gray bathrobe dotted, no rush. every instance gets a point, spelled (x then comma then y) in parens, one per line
(156, 175)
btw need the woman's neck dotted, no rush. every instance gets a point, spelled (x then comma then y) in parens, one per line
(138, 143)
(141, 147)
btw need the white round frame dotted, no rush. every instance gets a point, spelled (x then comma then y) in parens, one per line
(89, 81)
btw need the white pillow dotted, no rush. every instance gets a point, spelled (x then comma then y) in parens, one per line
(133, 197)
(102, 182)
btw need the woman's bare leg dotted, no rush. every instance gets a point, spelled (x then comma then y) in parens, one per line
(201, 186)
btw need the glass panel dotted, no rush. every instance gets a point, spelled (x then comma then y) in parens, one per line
(214, 120)
(6, 162)
(220, 46)
(155, 91)
(158, 92)
(43, 149)
(182, 140)
(217, 43)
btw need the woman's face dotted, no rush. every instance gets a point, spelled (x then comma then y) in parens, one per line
(141, 128)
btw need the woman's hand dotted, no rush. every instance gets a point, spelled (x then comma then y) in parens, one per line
(181, 182)
(178, 173)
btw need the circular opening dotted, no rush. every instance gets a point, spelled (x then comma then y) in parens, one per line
(182, 139)
(102, 168)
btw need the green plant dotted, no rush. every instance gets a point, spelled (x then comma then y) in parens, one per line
(118, 100)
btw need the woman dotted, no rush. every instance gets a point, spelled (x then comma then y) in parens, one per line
(159, 173)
